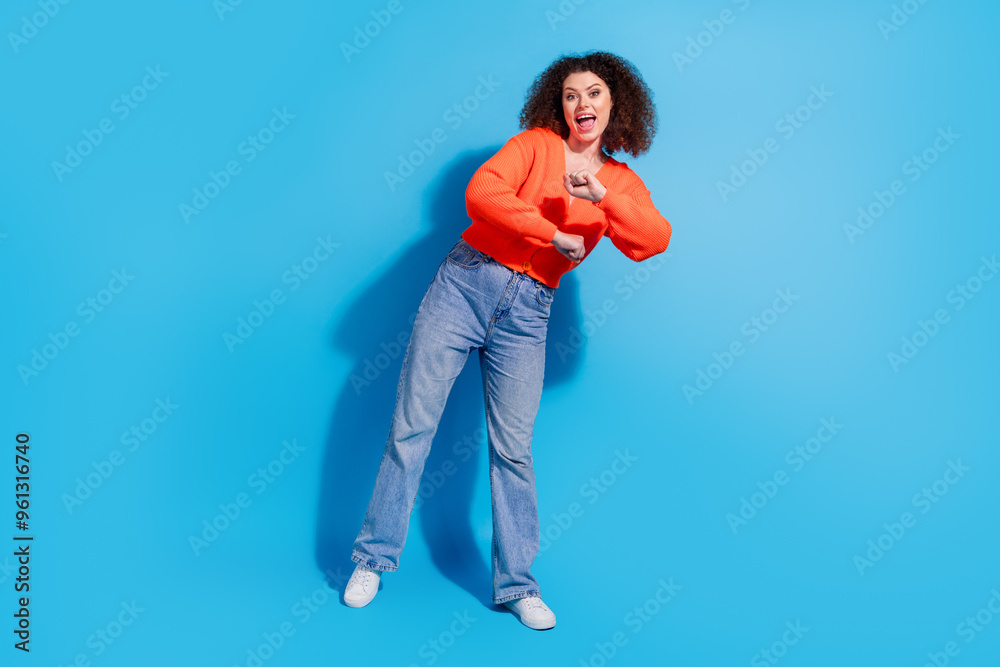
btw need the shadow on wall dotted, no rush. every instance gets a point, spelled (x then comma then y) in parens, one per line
(375, 332)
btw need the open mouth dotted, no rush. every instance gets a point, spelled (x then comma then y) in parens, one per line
(586, 122)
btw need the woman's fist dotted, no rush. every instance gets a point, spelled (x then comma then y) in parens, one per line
(584, 185)
(570, 245)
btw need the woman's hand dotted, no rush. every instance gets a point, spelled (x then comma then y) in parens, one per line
(584, 185)
(570, 245)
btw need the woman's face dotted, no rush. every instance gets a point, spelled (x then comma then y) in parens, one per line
(587, 105)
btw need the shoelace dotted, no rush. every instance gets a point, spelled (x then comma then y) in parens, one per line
(533, 602)
(364, 579)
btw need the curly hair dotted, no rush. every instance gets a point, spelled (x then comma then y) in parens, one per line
(632, 123)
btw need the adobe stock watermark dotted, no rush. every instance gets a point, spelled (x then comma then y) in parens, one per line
(454, 116)
(959, 297)
(433, 480)
(131, 439)
(779, 649)
(104, 637)
(915, 167)
(968, 630)
(88, 309)
(436, 646)
(259, 481)
(30, 25)
(752, 330)
(373, 366)
(636, 619)
(249, 148)
(924, 500)
(294, 276)
(562, 12)
(787, 126)
(899, 17)
(122, 106)
(381, 18)
(697, 44)
(223, 7)
(592, 490)
(303, 611)
(593, 320)
(796, 458)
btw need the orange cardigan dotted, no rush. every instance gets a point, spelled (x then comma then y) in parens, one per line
(517, 201)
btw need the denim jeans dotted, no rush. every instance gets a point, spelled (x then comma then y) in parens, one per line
(473, 303)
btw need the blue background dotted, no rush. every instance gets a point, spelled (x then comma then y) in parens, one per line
(323, 177)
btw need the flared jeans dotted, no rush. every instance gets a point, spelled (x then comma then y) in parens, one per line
(473, 303)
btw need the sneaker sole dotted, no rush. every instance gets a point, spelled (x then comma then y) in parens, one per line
(357, 604)
(533, 626)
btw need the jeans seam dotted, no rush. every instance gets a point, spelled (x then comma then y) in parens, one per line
(513, 280)
(489, 444)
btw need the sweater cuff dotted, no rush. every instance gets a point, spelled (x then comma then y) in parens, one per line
(549, 232)
(608, 200)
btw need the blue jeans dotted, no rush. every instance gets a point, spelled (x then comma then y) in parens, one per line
(473, 303)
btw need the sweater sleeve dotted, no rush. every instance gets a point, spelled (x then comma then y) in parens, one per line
(492, 192)
(634, 225)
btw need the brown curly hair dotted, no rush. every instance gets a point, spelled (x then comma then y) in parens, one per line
(632, 123)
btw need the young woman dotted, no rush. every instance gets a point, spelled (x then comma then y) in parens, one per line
(538, 207)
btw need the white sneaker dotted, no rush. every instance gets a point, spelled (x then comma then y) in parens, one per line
(533, 612)
(361, 587)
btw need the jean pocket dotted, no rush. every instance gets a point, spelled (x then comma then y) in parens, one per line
(465, 256)
(544, 294)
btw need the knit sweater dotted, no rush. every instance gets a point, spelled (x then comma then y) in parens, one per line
(517, 201)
